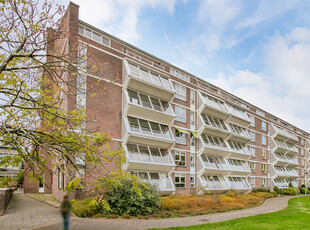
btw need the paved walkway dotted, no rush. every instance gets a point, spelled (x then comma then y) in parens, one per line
(271, 205)
(27, 213)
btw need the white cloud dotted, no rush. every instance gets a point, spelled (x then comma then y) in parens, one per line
(217, 12)
(120, 17)
(284, 88)
(267, 10)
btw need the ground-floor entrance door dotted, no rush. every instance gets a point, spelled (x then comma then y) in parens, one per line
(41, 186)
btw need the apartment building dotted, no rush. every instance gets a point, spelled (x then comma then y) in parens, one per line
(180, 133)
(7, 171)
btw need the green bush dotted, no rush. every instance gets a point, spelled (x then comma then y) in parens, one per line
(302, 190)
(281, 191)
(276, 189)
(297, 191)
(123, 198)
(260, 190)
(290, 185)
(290, 191)
(83, 208)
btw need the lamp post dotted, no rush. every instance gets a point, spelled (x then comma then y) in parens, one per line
(306, 173)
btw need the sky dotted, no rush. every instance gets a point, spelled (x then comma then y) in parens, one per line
(257, 50)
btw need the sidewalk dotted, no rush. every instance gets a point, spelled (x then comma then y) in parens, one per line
(27, 213)
(271, 205)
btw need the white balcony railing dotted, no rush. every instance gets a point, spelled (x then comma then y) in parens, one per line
(148, 128)
(284, 132)
(239, 148)
(214, 122)
(214, 142)
(281, 183)
(239, 183)
(238, 130)
(215, 103)
(239, 165)
(210, 182)
(147, 154)
(150, 77)
(238, 113)
(214, 162)
(149, 102)
(162, 181)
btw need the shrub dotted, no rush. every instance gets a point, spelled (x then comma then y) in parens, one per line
(260, 190)
(303, 186)
(297, 191)
(124, 199)
(302, 190)
(276, 189)
(290, 185)
(83, 208)
(290, 191)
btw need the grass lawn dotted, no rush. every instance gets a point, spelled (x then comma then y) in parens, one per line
(295, 216)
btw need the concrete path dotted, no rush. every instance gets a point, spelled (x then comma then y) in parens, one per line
(27, 213)
(271, 205)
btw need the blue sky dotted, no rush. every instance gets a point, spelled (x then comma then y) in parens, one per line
(258, 50)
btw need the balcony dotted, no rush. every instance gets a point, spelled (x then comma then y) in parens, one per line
(282, 134)
(294, 183)
(148, 133)
(291, 172)
(213, 145)
(238, 116)
(238, 150)
(239, 183)
(213, 183)
(214, 126)
(279, 171)
(281, 183)
(141, 157)
(150, 82)
(208, 164)
(137, 104)
(212, 106)
(162, 181)
(283, 160)
(239, 167)
(280, 146)
(239, 134)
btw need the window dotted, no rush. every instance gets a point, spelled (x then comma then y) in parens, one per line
(302, 141)
(252, 181)
(263, 182)
(264, 154)
(180, 180)
(252, 166)
(193, 119)
(252, 150)
(179, 75)
(93, 35)
(302, 163)
(252, 135)
(302, 152)
(192, 96)
(180, 137)
(264, 168)
(180, 158)
(264, 140)
(180, 92)
(252, 120)
(180, 113)
(192, 160)
(264, 126)
(260, 113)
(302, 172)
(60, 179)
(192, 181)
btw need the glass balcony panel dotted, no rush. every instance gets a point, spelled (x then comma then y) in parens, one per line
(166, 131)
(166, 83)
(156, 155)
(133, 152)
(145, 101)
(145, 128)
(134, 70)
(134, 125)
(156, 104)
(143, 176)
(156, 129)
(144, 154)
(146, 75)
(156, 79)
(134, 98)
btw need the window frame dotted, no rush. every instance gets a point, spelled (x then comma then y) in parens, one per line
(180, 176)
(180, 154)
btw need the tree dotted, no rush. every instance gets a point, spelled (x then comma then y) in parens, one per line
(35, 83)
